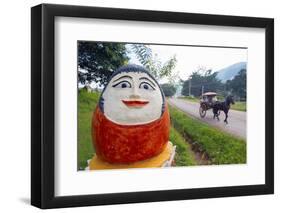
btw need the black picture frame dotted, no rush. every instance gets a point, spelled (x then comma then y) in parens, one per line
(43, 105)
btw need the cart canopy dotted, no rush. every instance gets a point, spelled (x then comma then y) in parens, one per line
(209, 94)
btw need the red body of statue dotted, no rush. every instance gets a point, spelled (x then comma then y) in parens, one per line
(117, 143)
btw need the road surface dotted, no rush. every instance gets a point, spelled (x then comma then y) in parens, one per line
(236, 119)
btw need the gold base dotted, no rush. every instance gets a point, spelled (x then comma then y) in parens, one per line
(158, 161)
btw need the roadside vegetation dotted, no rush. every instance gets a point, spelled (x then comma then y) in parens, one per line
(184, 155)
(190, 98)
(86, 104)
(207, 80)
(239, 105)
(221, 148)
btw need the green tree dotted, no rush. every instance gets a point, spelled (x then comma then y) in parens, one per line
(185, 88)
(237, 85)
(97, 61)
(168, 89)
(152, 63)
(202, 78)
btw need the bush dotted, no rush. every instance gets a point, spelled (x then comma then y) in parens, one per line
(168, 89)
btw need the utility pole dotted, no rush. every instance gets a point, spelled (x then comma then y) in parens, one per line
(189, 87)
(202, 89)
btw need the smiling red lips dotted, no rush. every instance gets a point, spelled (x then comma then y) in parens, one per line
(135, 103)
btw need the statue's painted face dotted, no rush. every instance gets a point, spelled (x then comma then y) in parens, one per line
(132, 98)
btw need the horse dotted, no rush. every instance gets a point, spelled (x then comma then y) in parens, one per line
(223, 106)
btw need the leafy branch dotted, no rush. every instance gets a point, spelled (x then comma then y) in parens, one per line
(152, 62)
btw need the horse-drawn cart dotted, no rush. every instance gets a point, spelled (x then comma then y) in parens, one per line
(207, 101)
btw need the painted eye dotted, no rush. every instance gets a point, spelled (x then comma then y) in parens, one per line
(123, 85)
(146, 86)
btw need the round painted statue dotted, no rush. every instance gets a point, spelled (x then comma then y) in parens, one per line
(130, 126)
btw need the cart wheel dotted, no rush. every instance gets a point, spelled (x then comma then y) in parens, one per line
(202, 112)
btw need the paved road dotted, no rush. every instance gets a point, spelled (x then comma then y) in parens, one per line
(236, 119)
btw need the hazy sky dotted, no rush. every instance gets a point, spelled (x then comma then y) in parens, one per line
(190, 58)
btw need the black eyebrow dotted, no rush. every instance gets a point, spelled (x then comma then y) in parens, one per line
(144, 78)
(148, 84)
(124, 76)
(122, 82)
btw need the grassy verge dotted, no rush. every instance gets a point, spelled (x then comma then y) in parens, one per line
(221, 147)
(189, 98)
(86, 104)
(184, 155)
(240, 106)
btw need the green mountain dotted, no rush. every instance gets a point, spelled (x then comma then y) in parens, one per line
(228, 73)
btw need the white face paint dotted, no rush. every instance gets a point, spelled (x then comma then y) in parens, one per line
(132, 98)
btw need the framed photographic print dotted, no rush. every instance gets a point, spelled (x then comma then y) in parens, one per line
(139, 106)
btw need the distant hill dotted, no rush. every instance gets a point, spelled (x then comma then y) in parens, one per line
(231, 71)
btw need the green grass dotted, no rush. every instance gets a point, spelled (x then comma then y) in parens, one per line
(189, 98)
(184, 155)
(86, 104)
(240, 106)
(221, 147)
